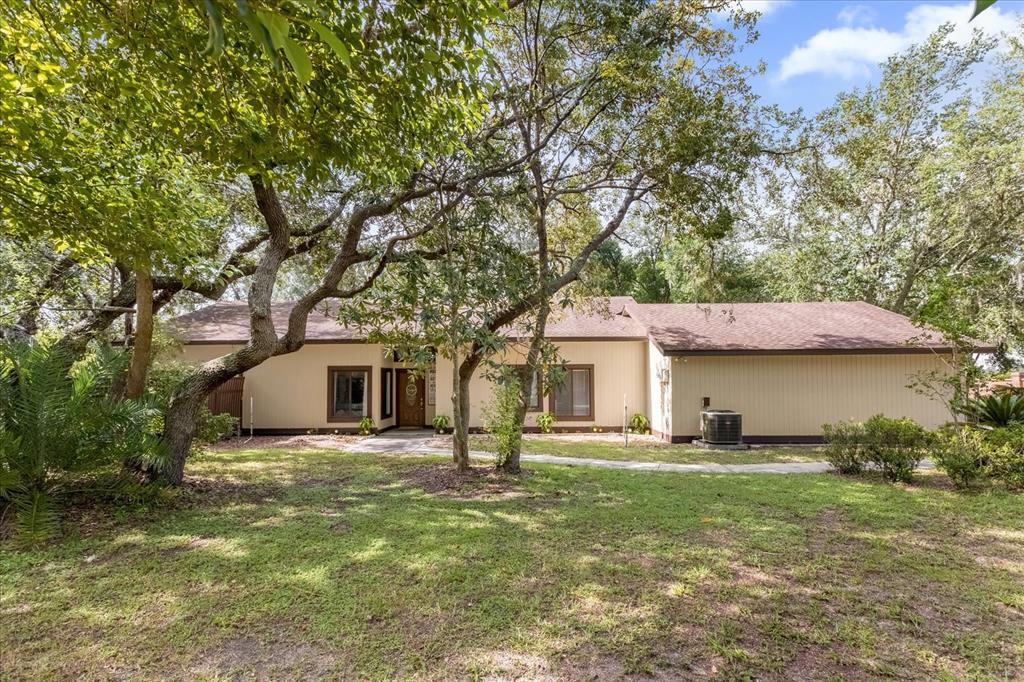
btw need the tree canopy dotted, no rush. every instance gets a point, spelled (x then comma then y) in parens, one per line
(116, 127)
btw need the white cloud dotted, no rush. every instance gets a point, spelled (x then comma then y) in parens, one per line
(852, 52)
(856, 14)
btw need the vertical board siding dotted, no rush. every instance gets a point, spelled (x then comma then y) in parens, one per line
(794, 395)
(659, 395)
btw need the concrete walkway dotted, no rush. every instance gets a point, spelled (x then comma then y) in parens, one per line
(417, 442)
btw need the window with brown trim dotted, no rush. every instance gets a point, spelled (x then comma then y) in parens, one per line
(536, 403)
(573, 400)
(387, 392)
(348, 393)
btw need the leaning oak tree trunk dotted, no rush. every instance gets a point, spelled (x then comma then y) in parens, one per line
(264, 342)
(182, 414)
(183, 410)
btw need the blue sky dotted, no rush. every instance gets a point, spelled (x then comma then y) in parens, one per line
(814, 49)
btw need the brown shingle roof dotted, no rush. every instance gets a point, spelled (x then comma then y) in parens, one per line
(681, 329)
(228, 322)
(677, 328)
(598, 318)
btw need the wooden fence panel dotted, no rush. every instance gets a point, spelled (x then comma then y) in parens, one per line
(227, 399)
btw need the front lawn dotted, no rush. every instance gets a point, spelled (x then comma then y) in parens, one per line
(648, 449)
(325, 564)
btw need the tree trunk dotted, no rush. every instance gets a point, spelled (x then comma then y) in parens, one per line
(462, 374)
(180, 423)
(143, 336)
(511, 464)
(182, 414)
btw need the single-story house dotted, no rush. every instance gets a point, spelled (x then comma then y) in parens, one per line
(787, 367)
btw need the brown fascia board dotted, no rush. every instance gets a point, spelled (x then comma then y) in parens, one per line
(204, 342)
(583, 338)
(822, 351)
(909, 350)
(242, 342)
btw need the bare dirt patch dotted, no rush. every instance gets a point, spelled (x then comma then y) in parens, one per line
(302, 442)
(477, 483)
(204, 490)
(247, 657)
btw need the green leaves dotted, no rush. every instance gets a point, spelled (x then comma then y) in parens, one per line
(59, 425)
(272, 29)
(35, 518)
(327, 35)
(980, 6)
(277, 28)
(215, 43)
(299, 60)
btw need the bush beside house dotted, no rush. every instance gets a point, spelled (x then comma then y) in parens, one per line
(968, 454)
(894, 446)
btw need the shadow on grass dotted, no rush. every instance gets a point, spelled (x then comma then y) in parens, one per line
(324, 564)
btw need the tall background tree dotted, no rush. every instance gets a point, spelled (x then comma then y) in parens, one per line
(608, 109)
(907, 194)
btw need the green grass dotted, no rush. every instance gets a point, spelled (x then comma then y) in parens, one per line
(649, 450)
(314, 564)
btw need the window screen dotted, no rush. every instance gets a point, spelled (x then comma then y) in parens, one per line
(574, 398)
(349, 393)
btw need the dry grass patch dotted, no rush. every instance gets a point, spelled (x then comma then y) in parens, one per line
(611, 446)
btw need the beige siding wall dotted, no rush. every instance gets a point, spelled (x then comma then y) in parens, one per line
(794, 395)
(778, 395)
(290, 391)
(659, 390)
(620, 370)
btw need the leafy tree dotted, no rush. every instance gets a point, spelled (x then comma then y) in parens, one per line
(384, 88)
(712, 269)
(907, 194)
(596, 119)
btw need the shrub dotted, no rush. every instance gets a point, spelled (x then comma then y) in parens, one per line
(365, 426)
(502, 419)
(1006, 455)
(440, 423)
(215, 427)
(843, 446)
(546, 422)
(638, 423)
(60, 430)
(895, 446)
(962, 454)
(997, 409)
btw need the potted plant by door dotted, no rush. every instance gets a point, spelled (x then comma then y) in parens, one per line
(440, 424)
(366, 426)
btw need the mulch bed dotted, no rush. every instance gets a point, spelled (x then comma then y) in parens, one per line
(476, 483)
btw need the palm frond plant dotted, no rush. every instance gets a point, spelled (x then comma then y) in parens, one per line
(62, 432)
(997, 409)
